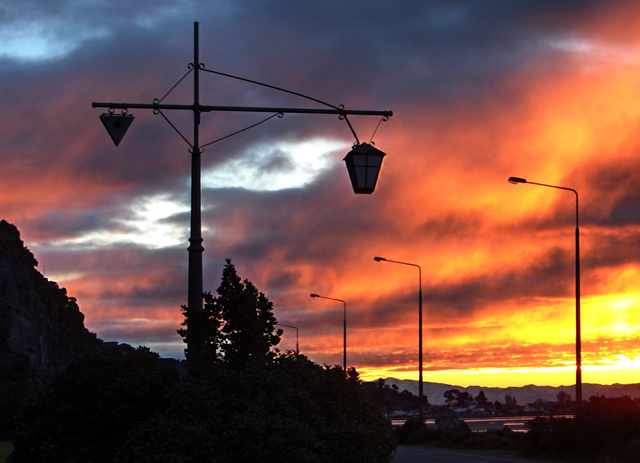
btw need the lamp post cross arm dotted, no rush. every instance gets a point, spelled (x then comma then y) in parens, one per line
(250, 109)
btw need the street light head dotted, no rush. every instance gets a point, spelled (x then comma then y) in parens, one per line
(363, 164)
(314, 295)
(379, 259)
(516, 180)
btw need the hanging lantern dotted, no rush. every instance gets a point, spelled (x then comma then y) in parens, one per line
(364, 163)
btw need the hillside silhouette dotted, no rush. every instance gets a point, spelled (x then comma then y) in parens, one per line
(41, 327)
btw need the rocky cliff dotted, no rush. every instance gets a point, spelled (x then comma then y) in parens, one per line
(41, 328)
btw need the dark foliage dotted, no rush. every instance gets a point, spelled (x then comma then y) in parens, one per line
(236, 326)
(603, 429)
(411, 432)
(291, 410)
(391, 399)
(201, 333)
(92, 406)
(415, 433)
(14, 398)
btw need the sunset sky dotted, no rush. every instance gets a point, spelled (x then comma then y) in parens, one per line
(547, 90)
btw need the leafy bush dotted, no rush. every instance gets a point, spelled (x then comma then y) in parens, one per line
(413, 431)
(289, 411)
(92, 406)
(603, 429)
(123, 407)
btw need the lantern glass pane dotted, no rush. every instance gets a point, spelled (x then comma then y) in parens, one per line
(361, 176)
(375, 160)
(359, 159)
(372, 177)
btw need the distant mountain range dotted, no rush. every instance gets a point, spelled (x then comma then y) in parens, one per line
(523, 394)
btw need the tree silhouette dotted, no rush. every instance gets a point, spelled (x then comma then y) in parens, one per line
(451, 397)
(201, 331)
(481, 399)
(464, 399)
(354, 377)
(563, 399)
(234, 326)
(247, 316)
(511, 400)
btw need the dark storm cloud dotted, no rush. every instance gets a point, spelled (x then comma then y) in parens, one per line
(68, 223)
(434, 50)
(549, 276)
(618, 184)
(457, 43)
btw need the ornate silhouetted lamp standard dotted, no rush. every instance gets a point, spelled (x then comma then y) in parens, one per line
(344, 350)
(515, 181)
(363, 161)
(420, 383)
(295, 328)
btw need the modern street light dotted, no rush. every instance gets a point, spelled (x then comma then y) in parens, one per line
(515, 181)
(344, 355)
(363, 162)
(420, 382)
(295, 328)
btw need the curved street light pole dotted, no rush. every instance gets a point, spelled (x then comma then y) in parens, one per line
(295, 328)
(420, 382)
(515, 181)
(344, 350)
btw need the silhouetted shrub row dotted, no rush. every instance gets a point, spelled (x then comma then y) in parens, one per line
(602, 430)
(116, 406)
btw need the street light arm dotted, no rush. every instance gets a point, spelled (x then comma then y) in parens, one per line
(382, 259)
(516, 180)
(330, 298)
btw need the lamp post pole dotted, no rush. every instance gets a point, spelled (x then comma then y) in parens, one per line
(420, 382)
(117, 126)
(515, 181)
(344, 349)
(195, 283)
